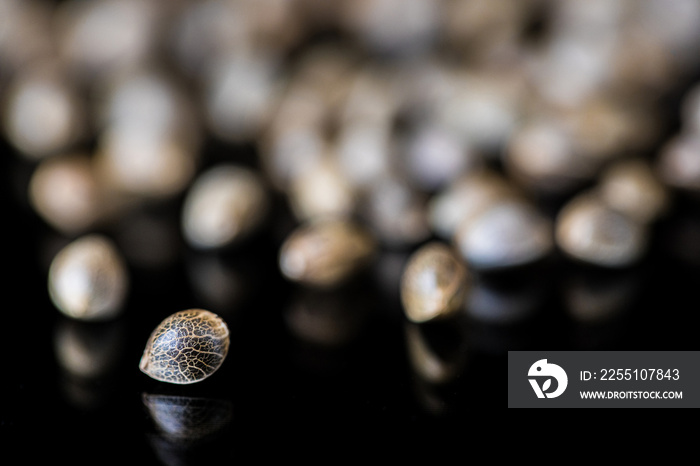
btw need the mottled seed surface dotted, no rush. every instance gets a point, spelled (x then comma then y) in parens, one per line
(186, 347)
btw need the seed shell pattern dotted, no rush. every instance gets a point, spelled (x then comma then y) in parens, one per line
(186, 347)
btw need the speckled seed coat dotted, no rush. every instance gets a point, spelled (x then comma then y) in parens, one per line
(186, 347)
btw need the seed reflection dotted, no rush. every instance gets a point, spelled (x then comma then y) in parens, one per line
(326, 318)
(88, 354)
(598, 298)
(505, 301)
(186, 428)
(437, 352)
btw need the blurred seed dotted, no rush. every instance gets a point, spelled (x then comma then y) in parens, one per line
(437, 355)
(238, 98)
(641, 63)
(434, 156)
(43, 114)
(393, 26)
(675, 24)
(483, 29)
(484, 106)
(149, 100)
(604, 127)
(326, 253)
(509, 233)
(541, 156)
(141, 163)
(631, 187)
(372, 98)
(100, 37)
(678, 162)
(88, 279)
(396, 212)
(26, 34)
(464, 198)
(207, 30)
(434, 283)
(322, 191)
(326, 73)
(588, 230)
(64, 191)
(570, 68)
(224, 205)
(364, 152)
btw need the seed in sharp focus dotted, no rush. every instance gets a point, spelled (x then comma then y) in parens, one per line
(326, 252)
(88, 279)
(186, 347)
(510, 233)
(225, 204)
(433, 284)
(590, 231)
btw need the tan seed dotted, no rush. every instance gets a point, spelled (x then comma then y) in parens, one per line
(326, 253)
(434, 283)
(590, 231)
(631, 187)
(186, 347)
(224, 205)
(88, 279)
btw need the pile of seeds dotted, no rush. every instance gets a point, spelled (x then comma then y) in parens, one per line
(477, 136)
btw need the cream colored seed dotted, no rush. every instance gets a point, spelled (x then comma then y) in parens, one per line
(632, 188)
(509, 233)
(43, 114)
(590, 231)
(186, 347)
(88, 279)
(141, 162)
(463, 199)
(321, 191)
(64, 191)
(326, 253)
(434, 283)
(224, 205)
(396, 212)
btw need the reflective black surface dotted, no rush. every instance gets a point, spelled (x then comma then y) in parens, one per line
(337, 358)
